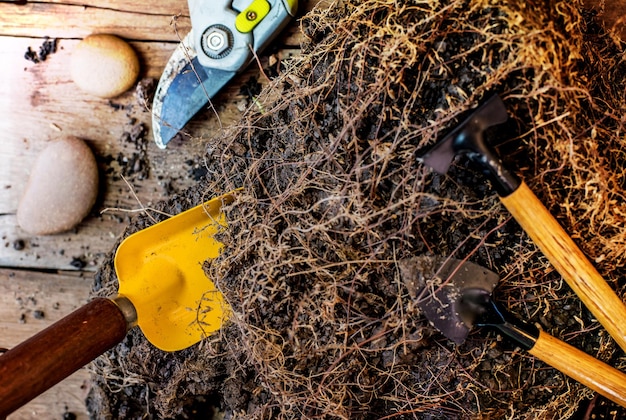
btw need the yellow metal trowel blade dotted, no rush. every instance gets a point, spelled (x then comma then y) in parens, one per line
(160, 271)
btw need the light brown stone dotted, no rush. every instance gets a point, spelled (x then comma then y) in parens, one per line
(104, 65)
(61, 190)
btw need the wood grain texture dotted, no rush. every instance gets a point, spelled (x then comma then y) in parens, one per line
(569, 261)
(170, 7)
(589, 371)
(63, 20)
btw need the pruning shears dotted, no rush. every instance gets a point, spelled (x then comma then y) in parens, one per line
(224, 39)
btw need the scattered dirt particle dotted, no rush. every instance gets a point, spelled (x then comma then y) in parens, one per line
(39, 314)
(144, 92)
(49, 46)
(69, 416)
(197, 171)
(135, 164)
(78, 263)
(251, 88)
(31, 55)
(116, 106)
(19, 244)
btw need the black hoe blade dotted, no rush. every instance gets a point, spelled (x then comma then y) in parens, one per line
(467, 136)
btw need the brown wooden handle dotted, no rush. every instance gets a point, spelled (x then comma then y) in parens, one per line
(569, 261)
(58, 351)
(578, 365)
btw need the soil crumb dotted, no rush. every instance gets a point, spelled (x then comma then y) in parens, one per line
(49, 46)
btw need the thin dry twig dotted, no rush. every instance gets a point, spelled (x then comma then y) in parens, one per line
(143, 209)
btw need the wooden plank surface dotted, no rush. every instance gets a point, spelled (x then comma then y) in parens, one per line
(38, 104)
(133, 20)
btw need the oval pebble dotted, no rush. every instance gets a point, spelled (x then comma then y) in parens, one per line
(61, 190)
(104, 65)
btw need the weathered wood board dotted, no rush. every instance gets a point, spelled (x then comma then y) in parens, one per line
(138, 20)
(38, 104)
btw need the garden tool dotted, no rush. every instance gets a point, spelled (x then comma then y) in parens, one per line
(162, 288)
(456, 295)
(225, 37)
(469, 139)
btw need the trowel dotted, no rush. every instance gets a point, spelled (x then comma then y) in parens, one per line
(456, 295)
(162, 288)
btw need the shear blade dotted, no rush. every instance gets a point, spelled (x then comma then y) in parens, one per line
(184, 89)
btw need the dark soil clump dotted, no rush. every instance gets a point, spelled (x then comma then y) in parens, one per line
(334, 196)
(48, 46)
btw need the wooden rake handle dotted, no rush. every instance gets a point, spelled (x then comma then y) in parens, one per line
(569, 261)
(578, 365)
(45, 359)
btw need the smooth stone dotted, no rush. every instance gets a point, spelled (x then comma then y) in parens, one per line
(104, 65)
(61, 190)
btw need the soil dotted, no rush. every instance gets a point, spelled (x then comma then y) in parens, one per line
(334, 197)
(48, 46)
(134, 164)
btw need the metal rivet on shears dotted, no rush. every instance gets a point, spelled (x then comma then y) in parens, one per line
(216, 41)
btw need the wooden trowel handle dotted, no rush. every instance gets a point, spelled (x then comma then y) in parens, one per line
(578, 365)
(45, 359)
(569, 261)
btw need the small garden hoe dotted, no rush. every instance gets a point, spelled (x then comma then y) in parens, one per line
(162, 288)
(469, 139)
(456, 295)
